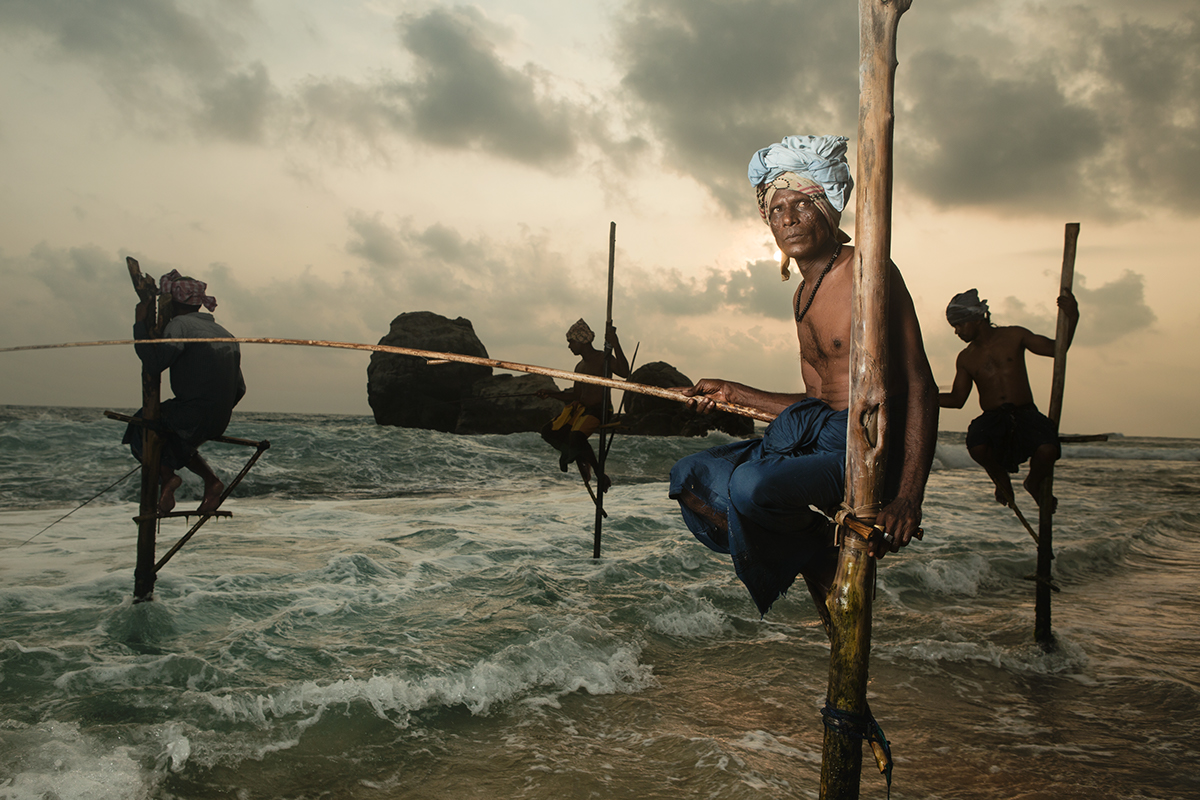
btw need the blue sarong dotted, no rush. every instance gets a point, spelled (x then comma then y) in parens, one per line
(764, 488)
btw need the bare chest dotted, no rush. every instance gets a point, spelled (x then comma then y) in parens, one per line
(824, 331)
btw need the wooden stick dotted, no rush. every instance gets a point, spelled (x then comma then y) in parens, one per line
(207, 515)
(612, 383)
(602, 454)
(143, 571)
(1042, 632)
(1013, 505)
(849, 601)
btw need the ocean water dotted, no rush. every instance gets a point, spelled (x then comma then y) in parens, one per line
(407, 614)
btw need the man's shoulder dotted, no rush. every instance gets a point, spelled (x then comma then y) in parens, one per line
(197, 325)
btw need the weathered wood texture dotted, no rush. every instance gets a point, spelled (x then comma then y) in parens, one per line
(143, 571)
(849, 602)
(1043, 633)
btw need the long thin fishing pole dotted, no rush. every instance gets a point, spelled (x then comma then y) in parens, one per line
(113, 485)
(612, 430)
(612, 383)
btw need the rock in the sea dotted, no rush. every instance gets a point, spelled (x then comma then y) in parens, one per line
(466, 398)
(408, 392)
(655, 416)
(508, 404)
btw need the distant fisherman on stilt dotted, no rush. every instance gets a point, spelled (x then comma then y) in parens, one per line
(206, 379)
(569, 431)
(1010, 430)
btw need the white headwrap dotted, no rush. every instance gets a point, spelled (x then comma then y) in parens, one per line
(814, 165)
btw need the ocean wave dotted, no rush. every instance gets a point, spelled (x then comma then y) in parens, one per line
(579, 658)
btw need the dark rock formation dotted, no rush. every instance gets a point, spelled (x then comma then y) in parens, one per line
(405, 391)
(654, 416)
(508, 404)
(465, 398)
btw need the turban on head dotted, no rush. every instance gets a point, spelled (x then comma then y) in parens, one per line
(580, 333)
(814, 165)
(966, 307)
(185, 290)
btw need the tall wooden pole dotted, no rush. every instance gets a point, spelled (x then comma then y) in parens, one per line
(849, 601)
(1042, 632)
(143, 571)
(602, 450)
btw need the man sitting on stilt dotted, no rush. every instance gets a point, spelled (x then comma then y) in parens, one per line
(754, 499)
(569, 431)
(206, 380)
(1010, 430)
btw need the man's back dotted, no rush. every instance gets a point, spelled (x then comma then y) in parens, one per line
(206, 378)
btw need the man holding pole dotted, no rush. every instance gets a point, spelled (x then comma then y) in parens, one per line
(206, 380)
(755, 499)
(569, 431)
(1010, 430)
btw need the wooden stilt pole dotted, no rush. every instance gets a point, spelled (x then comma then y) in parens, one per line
(1042, 632)
(602, 451)
(144, 571)
(849, 601)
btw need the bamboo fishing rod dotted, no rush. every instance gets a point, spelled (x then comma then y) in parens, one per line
(432, 357)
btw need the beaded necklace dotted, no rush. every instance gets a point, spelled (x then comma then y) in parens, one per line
(800, 313)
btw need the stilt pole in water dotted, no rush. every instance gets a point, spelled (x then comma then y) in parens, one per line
(849, 601)
(143, 571)
(1042, 632)
(601, 449)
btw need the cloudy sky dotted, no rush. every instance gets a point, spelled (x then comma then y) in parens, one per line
(326, 166)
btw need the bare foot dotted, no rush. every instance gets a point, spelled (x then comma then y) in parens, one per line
(605, 483)
(212, 496)
(1036, 493)
(166, 501)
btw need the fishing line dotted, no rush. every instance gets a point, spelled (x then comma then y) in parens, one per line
(81, 505)
(605, 447)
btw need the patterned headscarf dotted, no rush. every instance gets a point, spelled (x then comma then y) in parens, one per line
(185, 290)
(814, 165)
(966, 307)
(580, 333)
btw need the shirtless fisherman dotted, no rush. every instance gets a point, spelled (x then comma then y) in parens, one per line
(1011, 429)
(569, 431)
(752, 499)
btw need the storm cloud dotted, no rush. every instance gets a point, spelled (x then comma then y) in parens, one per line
(1059, 108)
(717, 80)
(1107, 313)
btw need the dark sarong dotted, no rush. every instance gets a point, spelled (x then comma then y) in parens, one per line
(1013, 433)
(764, 488)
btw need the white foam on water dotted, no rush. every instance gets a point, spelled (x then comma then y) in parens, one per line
(554, 664)
(58, 760)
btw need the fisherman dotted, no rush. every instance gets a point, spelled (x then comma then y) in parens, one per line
(206, 380)
(755, 499)
(1010, 430)
(569, 431)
